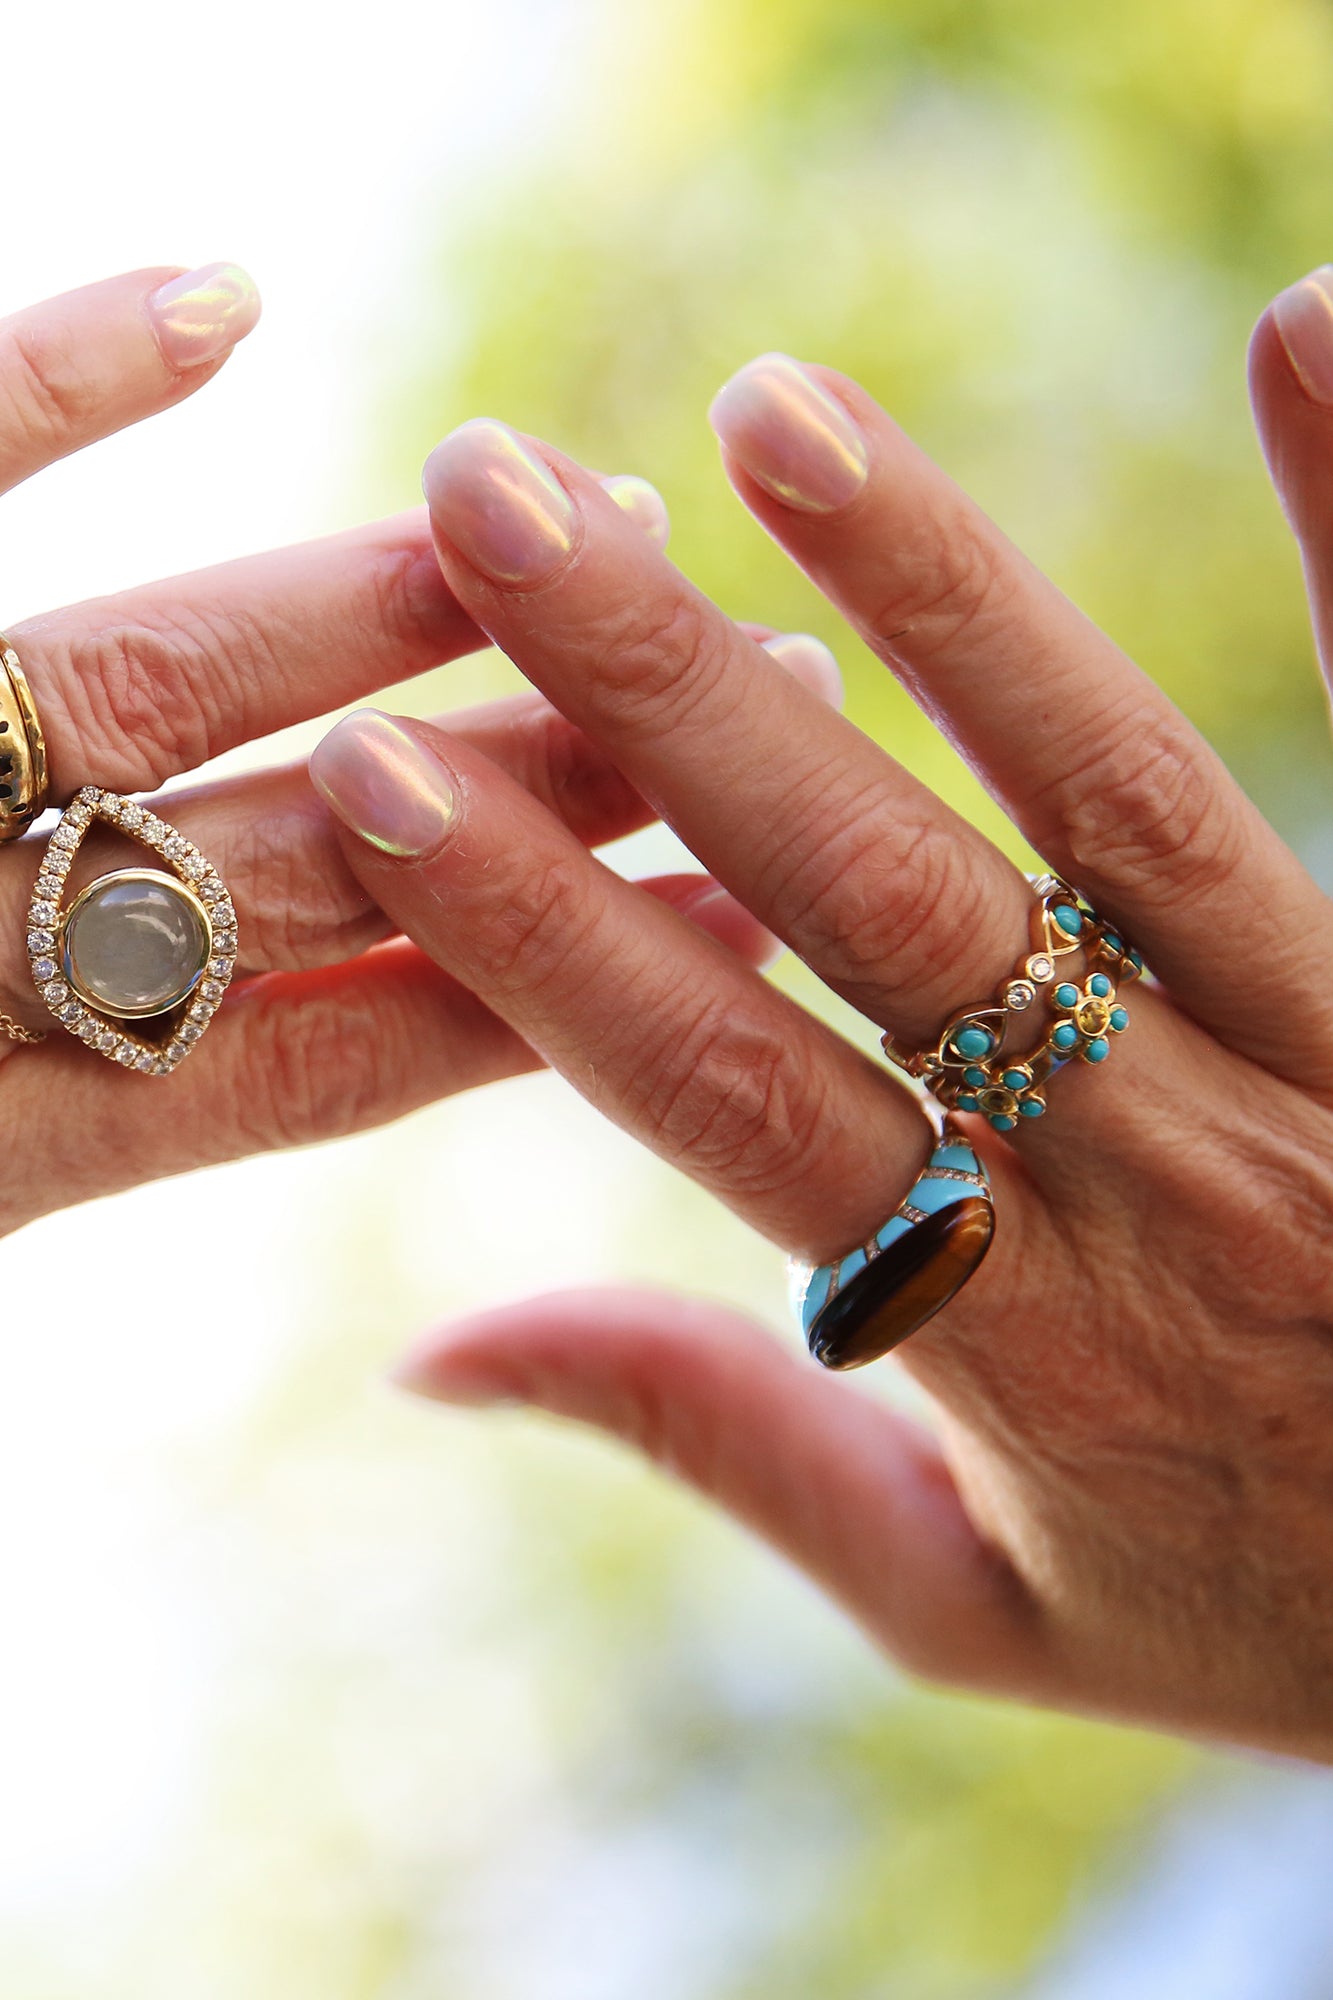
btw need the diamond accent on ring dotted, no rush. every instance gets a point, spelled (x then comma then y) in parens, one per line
(172, 974)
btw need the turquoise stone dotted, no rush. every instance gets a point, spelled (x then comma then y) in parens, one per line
(896, 1226)
(973, 1075)
(1069, 919)
(1001, 1123)
(961, 1158)
(1119, 1019)
(1066, 995)
(931, 1196)
(1065, 1036)
(966, 1100)
(1136, 961)
(1032, 1107)
(972, 1042)
(1112, 942)
(1097, 1050)
(1014, 1079)
(1100, 985)
(851, 1265)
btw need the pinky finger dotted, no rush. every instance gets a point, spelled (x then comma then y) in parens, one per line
(856, 1495)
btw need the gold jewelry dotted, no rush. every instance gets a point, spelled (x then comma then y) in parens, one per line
(138, 963)
(15, 1031)
(973, 1066)
(23, 777)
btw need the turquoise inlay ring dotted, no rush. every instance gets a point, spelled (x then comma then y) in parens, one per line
(988, 1059)
(861, 1305)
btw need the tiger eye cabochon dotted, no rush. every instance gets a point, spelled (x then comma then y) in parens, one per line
(861, 1306)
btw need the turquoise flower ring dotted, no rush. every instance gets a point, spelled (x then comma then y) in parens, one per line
(867, 1302)
(995, 1058)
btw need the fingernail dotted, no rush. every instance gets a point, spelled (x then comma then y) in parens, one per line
(384, 784)
(203, 313)
(1303, 315)
(791, 435)
(809, 660)
(643, 503)
(500, 505)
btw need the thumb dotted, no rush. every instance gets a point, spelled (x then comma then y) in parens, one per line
(852, 1492)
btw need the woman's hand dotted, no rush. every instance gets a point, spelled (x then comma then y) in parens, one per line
(320, 1034)
(1129, 1508)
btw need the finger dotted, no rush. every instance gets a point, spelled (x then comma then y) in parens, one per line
(298, 903)
(835, 847)
(856, 1495)
(713, 910)
(289, 1059)
(301, 907)
(84, 365)
(1291, 386)
(135, 688)
(1102, 773)
(670, 1037)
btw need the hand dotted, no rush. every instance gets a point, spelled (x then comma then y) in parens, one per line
(1127, 1509)
(321, 1033)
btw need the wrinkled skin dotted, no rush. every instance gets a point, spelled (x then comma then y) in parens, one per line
(321, 1033)
(1127, 1507)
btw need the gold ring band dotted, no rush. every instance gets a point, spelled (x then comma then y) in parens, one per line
(975, 1066)
(24, 786)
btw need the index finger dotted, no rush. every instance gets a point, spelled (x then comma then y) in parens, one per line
(84, 365)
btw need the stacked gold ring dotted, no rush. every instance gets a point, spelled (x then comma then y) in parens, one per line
(977, 1064)
(24, 786)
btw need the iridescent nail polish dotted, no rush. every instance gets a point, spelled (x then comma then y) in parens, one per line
(792, 435)
(383, 783)
(203, 313)
(499, 504)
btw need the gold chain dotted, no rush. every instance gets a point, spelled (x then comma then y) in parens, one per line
(17, 1032)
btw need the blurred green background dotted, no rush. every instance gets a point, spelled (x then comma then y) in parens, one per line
(499, 1715)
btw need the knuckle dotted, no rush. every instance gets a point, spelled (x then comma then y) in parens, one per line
(315, 1072)
(952, 581)
(538, 921)
(651, 664)
(1143, 808)
(730, 1103)
(300, 906)
(574, 775)
(148, 699)
(866, 898)
(50, 400)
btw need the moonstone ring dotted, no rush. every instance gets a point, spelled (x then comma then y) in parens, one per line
(137, 964)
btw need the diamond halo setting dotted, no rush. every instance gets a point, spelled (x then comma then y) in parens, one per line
(182, 1004)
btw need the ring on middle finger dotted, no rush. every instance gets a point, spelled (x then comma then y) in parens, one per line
(989, 1059)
